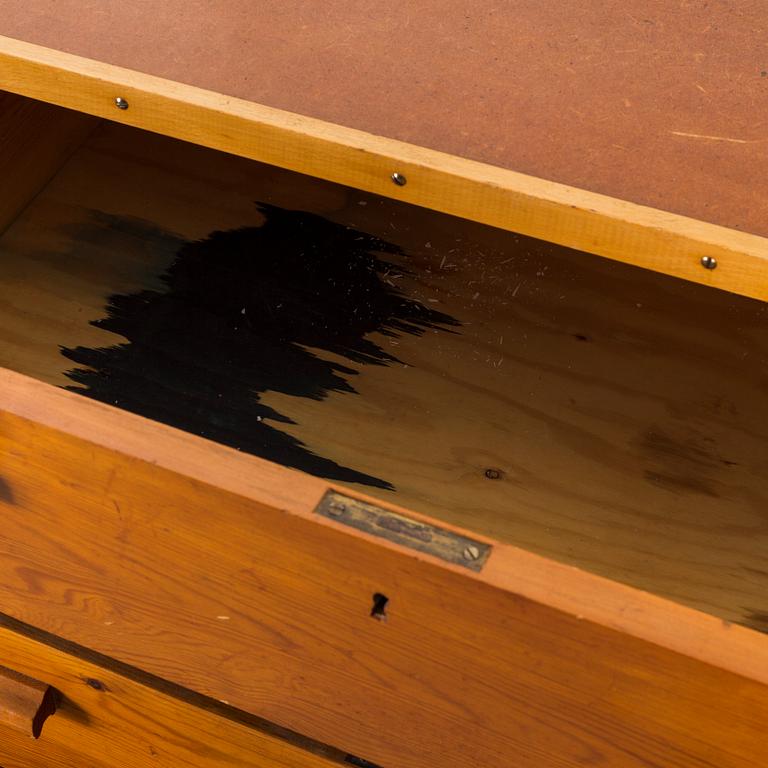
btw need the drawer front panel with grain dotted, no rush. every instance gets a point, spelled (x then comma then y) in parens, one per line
(110, 716)
(252, 598)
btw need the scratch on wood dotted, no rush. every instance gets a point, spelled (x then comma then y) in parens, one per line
(715, 138)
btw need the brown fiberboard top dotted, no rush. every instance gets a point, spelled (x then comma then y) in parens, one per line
(654, 102)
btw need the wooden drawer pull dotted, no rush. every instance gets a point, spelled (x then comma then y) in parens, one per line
(25, 703)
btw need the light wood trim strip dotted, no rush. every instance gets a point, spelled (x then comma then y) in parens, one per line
(586, 221)
(132, 538)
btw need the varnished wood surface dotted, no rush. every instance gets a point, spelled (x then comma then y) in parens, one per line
(20, 752)
(35, 140)
(595, 223)
(658, 103)
(115, 550)
(114, 716)
(624, 414)
(25, 703)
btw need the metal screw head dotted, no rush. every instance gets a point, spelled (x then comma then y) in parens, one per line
(399, 179)
(709, 262)
(121, 103)
(471, 552)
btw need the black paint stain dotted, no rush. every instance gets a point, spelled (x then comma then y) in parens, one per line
(757, 620)
(6, 492)
(241, 313)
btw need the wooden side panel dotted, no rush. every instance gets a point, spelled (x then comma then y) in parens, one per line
(107, 716)
(244, 594)
(35, 140)
(627, 232)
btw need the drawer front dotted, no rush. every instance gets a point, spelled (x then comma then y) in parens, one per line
(214, 570)
(19, 751)
(109, 715)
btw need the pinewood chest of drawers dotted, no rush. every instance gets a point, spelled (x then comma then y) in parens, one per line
(318, 448)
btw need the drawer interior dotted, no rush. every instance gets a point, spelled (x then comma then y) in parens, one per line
(583, 409)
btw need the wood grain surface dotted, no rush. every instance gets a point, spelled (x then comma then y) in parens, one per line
(249, 597)
(25, 703)
(117, 716)
(658, 103)
(621, 415)
(35, 140)
(625, 231)
(20, 752)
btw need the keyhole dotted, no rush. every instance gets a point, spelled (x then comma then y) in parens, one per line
(379, 610)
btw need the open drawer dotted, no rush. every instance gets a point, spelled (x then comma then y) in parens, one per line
(427, 492)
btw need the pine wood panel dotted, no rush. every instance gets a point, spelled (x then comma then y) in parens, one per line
(18, 751)
(624, 413)
(114, 548)
(624, 231)
(35, 140)
(113, 715)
